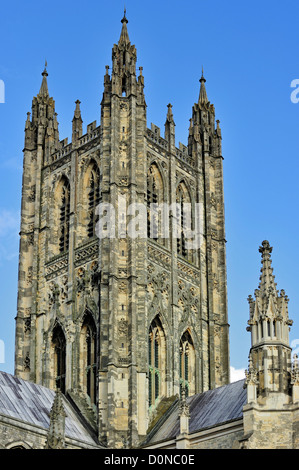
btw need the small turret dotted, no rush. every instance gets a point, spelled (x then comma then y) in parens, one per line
(269, 323)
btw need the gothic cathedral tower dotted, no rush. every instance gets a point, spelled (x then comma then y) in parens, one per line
(120, 322)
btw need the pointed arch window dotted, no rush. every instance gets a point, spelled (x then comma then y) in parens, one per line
(154, 196)
(93, 199)
(89, 355)
(59, 344)
(157, 361)
(64, 217)
(184, 218)
(187, 364)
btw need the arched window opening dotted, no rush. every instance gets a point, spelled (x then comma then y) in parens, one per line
(184, 218)
(154, 196)
(64, 217)
(59, 344)
(89, 356)
(156, 356)
(187, 364)
(269, 328)
(93, 199)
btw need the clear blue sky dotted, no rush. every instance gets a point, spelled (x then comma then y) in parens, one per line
(249, 51)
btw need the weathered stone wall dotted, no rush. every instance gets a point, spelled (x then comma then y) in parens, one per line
(271, 429)
(229, 440)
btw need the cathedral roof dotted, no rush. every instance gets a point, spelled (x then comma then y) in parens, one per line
(207, 409)
(32, 403)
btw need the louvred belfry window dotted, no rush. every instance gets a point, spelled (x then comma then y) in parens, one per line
(89, 355)
(64, 217)
(182, 200)
(58, 341)
(187, 358)
(93, 199)
(154, 196)
(156, 356)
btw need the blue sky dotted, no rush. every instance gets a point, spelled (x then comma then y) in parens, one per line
(249, 51)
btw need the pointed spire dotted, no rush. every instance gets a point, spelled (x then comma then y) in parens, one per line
(184, 413)
(124, 36)
(44, 86)
(267, 279)
(203, 97)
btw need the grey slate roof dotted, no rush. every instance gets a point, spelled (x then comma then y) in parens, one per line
(31, 403)
(207, 409)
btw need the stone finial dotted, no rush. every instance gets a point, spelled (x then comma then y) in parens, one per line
(77, 114)
(251, 373)
(77, 129)
(56, 433)
(184, 413)
(218, 129)
(169, 117)
(295, 379)
(251, 382)
(28, 121)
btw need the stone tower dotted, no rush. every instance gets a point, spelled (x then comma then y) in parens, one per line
(117, 307)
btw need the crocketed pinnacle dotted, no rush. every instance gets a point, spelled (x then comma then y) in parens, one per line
(169, 117)
(77, 113)
(56, 432)
(44, 86)
(267, 279)
(124, 36)
(203, 97)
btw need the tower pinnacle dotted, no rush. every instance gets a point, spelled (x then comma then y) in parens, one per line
(203, 97)
(44, 86)
(124, 36)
